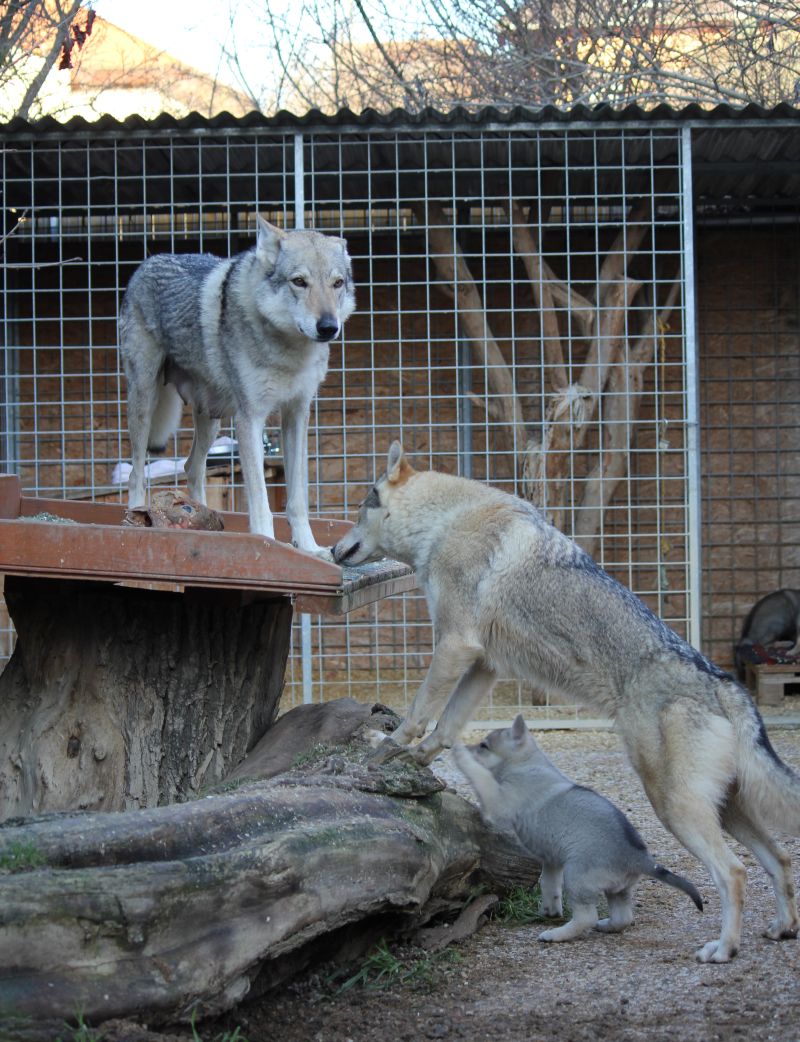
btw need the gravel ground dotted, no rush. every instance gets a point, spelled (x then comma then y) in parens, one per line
(641, 985)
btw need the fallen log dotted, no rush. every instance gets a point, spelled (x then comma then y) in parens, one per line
(166, 912)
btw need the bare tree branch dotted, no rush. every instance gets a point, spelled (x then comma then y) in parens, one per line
(34, 34)
(560, 52)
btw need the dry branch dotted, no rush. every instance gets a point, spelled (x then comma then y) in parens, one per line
(545, 463)
(572, 411)
(621, 404)
(453, 269)
(549, 294)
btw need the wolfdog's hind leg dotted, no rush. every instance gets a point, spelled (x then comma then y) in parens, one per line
(689, 811)
(775, 862)
(620, 912)
(206, 430)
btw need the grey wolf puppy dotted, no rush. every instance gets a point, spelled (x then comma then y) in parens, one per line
(241, 337)
(583, 842)
(510, 595)
(774, 617)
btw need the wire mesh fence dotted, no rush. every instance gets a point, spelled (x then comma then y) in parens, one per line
(749, 279)
(520, 320)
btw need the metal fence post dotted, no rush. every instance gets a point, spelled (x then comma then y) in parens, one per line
(692, 392)
(299, 222)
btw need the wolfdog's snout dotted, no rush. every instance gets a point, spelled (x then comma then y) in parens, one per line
(327, 327)
(344, 549)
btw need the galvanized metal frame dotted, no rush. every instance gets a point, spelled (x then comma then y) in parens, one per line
(395, 639)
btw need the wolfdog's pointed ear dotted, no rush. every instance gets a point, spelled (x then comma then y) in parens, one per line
(398, 469)
(268, 240)
(518, 728)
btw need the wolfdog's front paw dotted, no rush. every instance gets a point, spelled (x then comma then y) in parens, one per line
(779, 930)
(716, 951)
(324, 552)
(388, 750)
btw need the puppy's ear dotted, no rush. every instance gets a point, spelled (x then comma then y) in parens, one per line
(518, 728)
(268, 241)
(398, 469)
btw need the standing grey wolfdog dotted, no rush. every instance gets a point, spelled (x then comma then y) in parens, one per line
(510, 595)
(241, 337)
(582, 841)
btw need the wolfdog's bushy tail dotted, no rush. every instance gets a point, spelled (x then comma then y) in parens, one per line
(768, 788)
(166, 418)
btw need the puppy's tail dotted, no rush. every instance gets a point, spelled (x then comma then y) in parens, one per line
(663, 875)
(767, 788)
(166, 418)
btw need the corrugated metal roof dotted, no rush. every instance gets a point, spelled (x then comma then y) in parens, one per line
(738, 154)
(425, 118)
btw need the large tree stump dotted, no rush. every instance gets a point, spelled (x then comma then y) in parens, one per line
(158, 913)
(119, 697)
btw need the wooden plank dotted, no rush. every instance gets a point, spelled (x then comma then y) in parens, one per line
(161, 554)
(326, 531)
(99, 547)
(10, 492)
(362, 585)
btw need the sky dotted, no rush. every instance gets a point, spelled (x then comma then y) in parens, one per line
(195, 31)
(191, 30)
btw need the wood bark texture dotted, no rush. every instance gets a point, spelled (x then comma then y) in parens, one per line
(118, 697)
(158, 913)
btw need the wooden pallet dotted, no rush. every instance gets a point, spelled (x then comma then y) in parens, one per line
(769, 681)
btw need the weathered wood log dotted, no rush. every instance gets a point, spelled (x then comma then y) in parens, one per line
(157, 913)
(119, 697)
(307, 727)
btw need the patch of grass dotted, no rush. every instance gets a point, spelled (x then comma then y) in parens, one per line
(81, 1032)
(521, 906)
(225, 1036)
(21, 857)
(382, 969)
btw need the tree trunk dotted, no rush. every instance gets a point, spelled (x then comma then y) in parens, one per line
(119, 697)
(158, 913)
